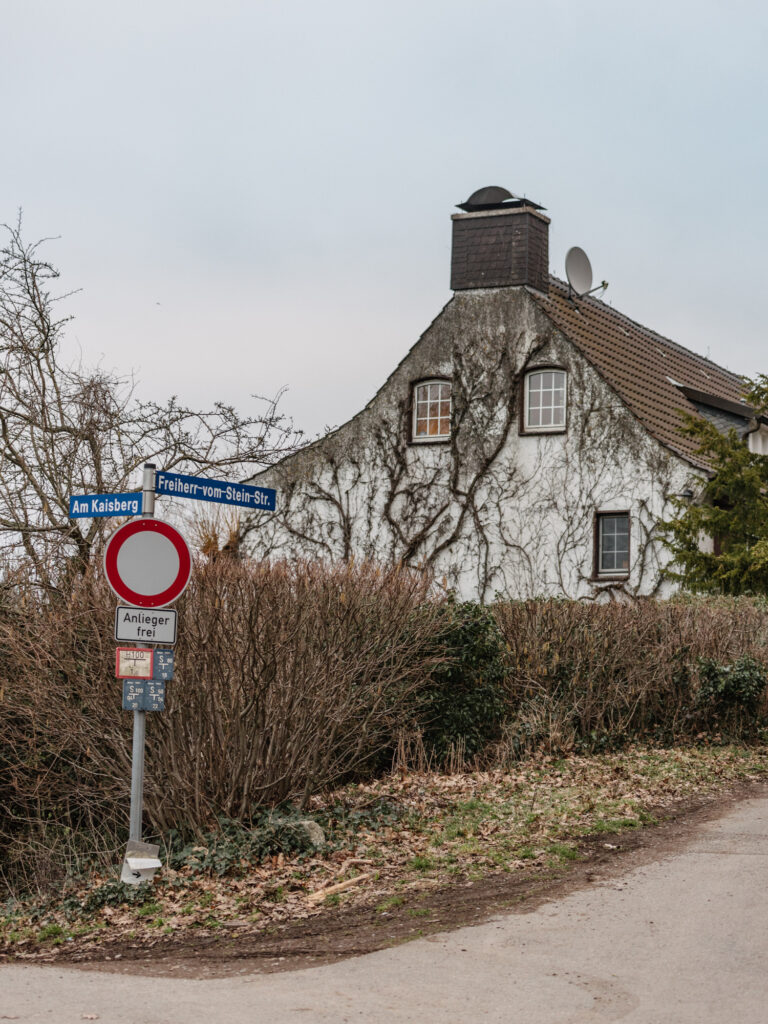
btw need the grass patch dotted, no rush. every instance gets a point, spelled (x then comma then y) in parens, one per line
(388, 904)
(421, 863)
(562, 851)
(148, 910)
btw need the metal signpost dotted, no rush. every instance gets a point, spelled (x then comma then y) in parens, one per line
(147, 564)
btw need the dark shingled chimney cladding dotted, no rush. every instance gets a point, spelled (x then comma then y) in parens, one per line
(501, 240)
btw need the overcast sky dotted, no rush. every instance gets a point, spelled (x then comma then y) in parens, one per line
(253, 195)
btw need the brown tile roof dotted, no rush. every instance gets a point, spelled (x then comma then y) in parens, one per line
(641, 365)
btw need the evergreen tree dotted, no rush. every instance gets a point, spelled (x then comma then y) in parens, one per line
(732, 511)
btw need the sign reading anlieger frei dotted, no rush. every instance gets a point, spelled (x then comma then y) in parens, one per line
(201, 489)
(140, 626)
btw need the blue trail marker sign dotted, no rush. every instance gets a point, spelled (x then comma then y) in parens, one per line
(143, 695)
(162, 665)
(94, 505)
(200, 489)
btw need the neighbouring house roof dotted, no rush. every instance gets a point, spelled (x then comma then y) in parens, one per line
(655, 377)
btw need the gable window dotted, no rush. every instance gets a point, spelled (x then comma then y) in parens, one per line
(544, 401)
(432, 410)
(612, 544)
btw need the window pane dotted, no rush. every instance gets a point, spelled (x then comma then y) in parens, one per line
(432, 410)
(545, 399)
(613, 539)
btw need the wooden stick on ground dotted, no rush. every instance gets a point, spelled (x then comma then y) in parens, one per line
(320, 894)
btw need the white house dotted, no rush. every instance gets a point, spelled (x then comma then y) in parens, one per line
(528, 444)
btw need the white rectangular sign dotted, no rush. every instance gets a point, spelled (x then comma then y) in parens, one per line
(134, 662)
(149, 626)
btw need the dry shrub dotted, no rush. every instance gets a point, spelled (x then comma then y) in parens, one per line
(289, 678)
(590, 676)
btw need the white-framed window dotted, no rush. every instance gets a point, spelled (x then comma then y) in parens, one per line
(545, 401)
(612, 544)
(431, 410)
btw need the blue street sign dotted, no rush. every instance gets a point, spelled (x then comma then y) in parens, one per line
(143, 695)
(162, 665)
(201, 489)
(82, 506)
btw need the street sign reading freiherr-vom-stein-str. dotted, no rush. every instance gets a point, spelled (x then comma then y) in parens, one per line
(178, 485)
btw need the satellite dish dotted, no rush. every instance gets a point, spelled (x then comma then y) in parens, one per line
(578, 270)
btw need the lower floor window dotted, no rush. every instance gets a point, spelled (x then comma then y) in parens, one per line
(612, 543)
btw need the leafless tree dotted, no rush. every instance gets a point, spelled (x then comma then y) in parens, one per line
(67, 429)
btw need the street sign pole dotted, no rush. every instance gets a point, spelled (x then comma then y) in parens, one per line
(140, 717)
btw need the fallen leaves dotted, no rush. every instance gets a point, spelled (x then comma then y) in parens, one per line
(447, 829)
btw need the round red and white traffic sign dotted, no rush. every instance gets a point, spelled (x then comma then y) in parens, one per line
(147, 563)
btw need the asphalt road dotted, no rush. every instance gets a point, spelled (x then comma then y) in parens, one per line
(680, 941)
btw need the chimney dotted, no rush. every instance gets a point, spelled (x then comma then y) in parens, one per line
(499, 241)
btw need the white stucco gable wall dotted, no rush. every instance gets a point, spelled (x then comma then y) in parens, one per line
(492, 511)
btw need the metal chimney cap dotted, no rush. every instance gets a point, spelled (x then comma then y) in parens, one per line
(494, 197)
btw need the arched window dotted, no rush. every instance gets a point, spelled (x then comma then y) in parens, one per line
(545, 401)
(431, 410)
